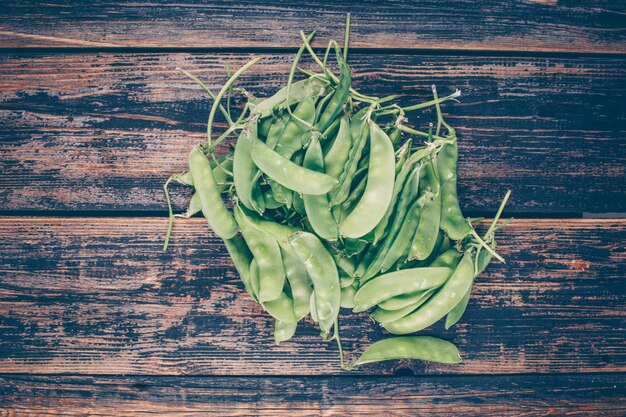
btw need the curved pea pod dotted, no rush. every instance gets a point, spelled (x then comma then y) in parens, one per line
(316, 206)
(450, 258)
(405, 171)
(347, 297)
(484, 257)
(439, 304)
(281, 308)
(377, 195)
(403, 239)
(266, 254)
(291, 139)
(244, 171)
(322, 271)
(195, 206)
(313, 308)
(382, 315)
(284, 331)
(213, 208)
(397, 283)
(452, 220)
(241, 257)
(339, 153)
(298, 282)
(289, 174)
(345, 280)
(401, 301)
(424, 348)
(427, 232)
(299, 90)
(359, 133)
(340, 96)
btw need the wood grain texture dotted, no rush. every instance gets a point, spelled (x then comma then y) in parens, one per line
(98, 296)
(532, 25)
(102, 131)
(487, 396)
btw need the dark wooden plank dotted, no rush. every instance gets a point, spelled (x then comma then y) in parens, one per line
(487, 396)
(535, 25)
(103, 131)
(98, 296)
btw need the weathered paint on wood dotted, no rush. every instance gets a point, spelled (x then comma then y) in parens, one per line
(487, 396)
(98, 296)
(102, 131)
(533, 25)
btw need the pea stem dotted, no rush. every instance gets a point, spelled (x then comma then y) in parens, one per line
(290, 82)
(208, 91)
(346, 39)
(438, 109)
(226, 86)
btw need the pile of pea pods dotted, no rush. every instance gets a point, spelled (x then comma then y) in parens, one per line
(329, 199)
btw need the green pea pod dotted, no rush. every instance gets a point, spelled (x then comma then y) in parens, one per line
(347, 297)
(381, 228)
(289, 174)
(316, 206)
(378, 191)
(403, 300)
(359, 132)
(281, 308)
(241, 257)
(298, 282)
(450, 258)
(195, 206)
(452, 220)
(299, 90)
(387, 316)
(345, 280)
(339, 153)
(290, 140)
(440, 303)
(254, 279)
(244, 170)
(267, 255)
(341, 95)
(284, 331)
(427, 232)
(424, 348)
(457, 312)
(323, 273)
(397, 283)
(213, 208)
(403, 239)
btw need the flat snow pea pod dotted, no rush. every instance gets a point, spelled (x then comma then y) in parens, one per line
(195, 206)
(340, 96)
(241, 257)
(254, 279)
(452, 220)
(457, 312)
(284, 331)
(406, 170)
(382, 315)
(403, 239)
(313, 308)
(299, 90)
(347, 297)
(339, 153)
(440, 303)
(267, 255)
(427, 232)
(290, 140)
(450, 258)
(397, 283)
(316, 206)
(359, 132)
(244, 170)
(323, 273)
(289, 174)
(345, 280)
(298, 282)
(213, 208)
(377, 195)
(424, 348)
(401, 301)
(281, 308)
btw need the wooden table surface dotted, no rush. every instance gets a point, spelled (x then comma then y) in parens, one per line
(96, 320)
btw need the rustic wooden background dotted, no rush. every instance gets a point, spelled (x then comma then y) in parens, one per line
(96, 320)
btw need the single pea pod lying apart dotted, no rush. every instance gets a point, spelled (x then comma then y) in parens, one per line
(425, 348)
